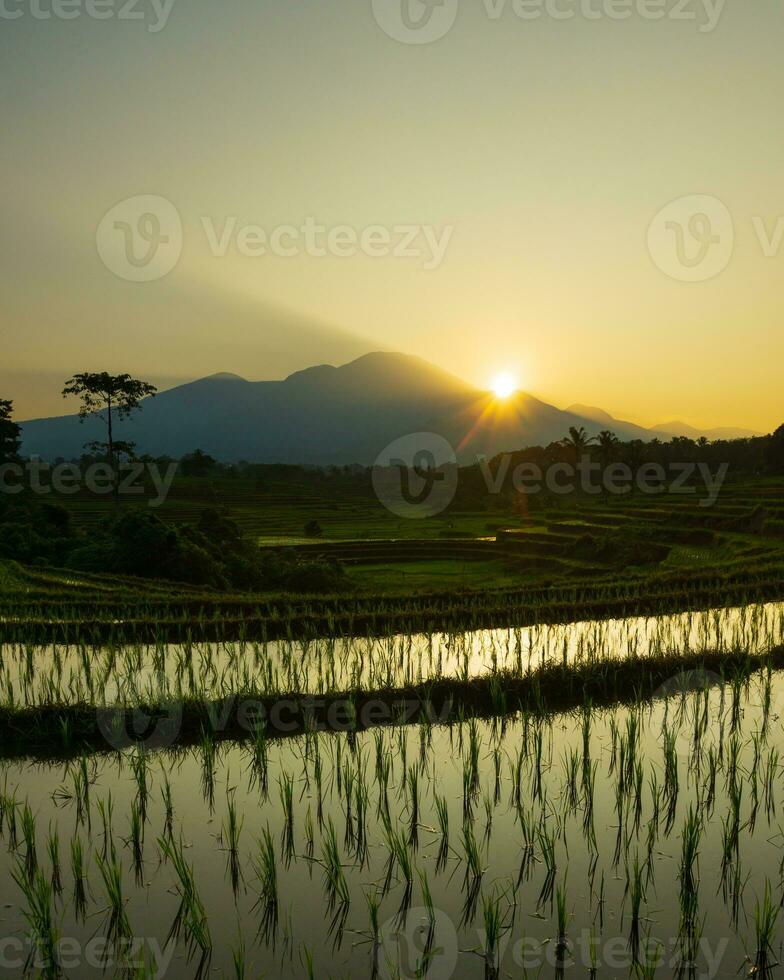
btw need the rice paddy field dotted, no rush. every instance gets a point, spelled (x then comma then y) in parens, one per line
(574, 768)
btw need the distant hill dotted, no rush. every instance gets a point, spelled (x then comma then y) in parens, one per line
(327, 415)
(666, 431)
(624, 430)
(689, 431)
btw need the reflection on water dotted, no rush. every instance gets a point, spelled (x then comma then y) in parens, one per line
(529, 844)
(31, 675)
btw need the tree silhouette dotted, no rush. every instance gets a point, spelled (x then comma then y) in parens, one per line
(607, 442)
(578, 440)
(110, 397)
(9, 433)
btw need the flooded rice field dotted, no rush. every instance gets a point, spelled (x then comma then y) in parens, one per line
(643, 840)
(82, 674)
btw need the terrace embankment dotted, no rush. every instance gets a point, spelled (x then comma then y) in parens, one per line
(64, 731)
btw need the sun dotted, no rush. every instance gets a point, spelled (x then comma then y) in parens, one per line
(504, 385)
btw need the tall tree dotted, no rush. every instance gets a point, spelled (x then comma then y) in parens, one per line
(578, 441)
(607, 442)
(110, 397)
(9, 432)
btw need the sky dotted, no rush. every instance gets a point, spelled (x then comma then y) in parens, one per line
(588, 200)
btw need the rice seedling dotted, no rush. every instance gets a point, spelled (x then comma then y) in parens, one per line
(231, 829)
(79, 875)
(29, 841)
(494, 928)
(266, 868)
(562, 918)
(118, 927)
(765, 917)
(191, 916)
(286, 791)
(337, 886)
(39, 915)
(53, 850)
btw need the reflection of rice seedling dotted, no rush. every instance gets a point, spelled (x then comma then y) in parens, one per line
(337, 886)
(687, 874)
(265, 866)
(191, 915)
(168, 806)
(635, 888)
(260, 761)
(286, 791)
(78, 873)
(118, 927)
(647, 967)
(8, 807)
(136, 838)
(309, 833)
(547, 846)
(230, 831)
(141, 776)
(208, 753)
(53, 849)
(427, 896)
(413, 803)
(28, 839)
(106, 811)
(307, 956)
(471, 853)
(238, 959)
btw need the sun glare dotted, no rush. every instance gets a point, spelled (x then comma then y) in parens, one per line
(504, 385)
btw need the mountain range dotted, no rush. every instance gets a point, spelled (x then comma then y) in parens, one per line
(336, 415)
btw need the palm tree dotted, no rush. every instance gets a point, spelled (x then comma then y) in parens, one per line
(607, 441)
(578, 441)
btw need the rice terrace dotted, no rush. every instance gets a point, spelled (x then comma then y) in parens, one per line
(521, 735)
(391, 490)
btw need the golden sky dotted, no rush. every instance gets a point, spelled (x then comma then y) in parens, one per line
(538, 151)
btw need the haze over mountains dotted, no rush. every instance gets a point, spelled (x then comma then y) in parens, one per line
(334, 415)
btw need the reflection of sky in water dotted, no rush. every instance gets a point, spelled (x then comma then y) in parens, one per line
(35, 675)
(437, 755)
